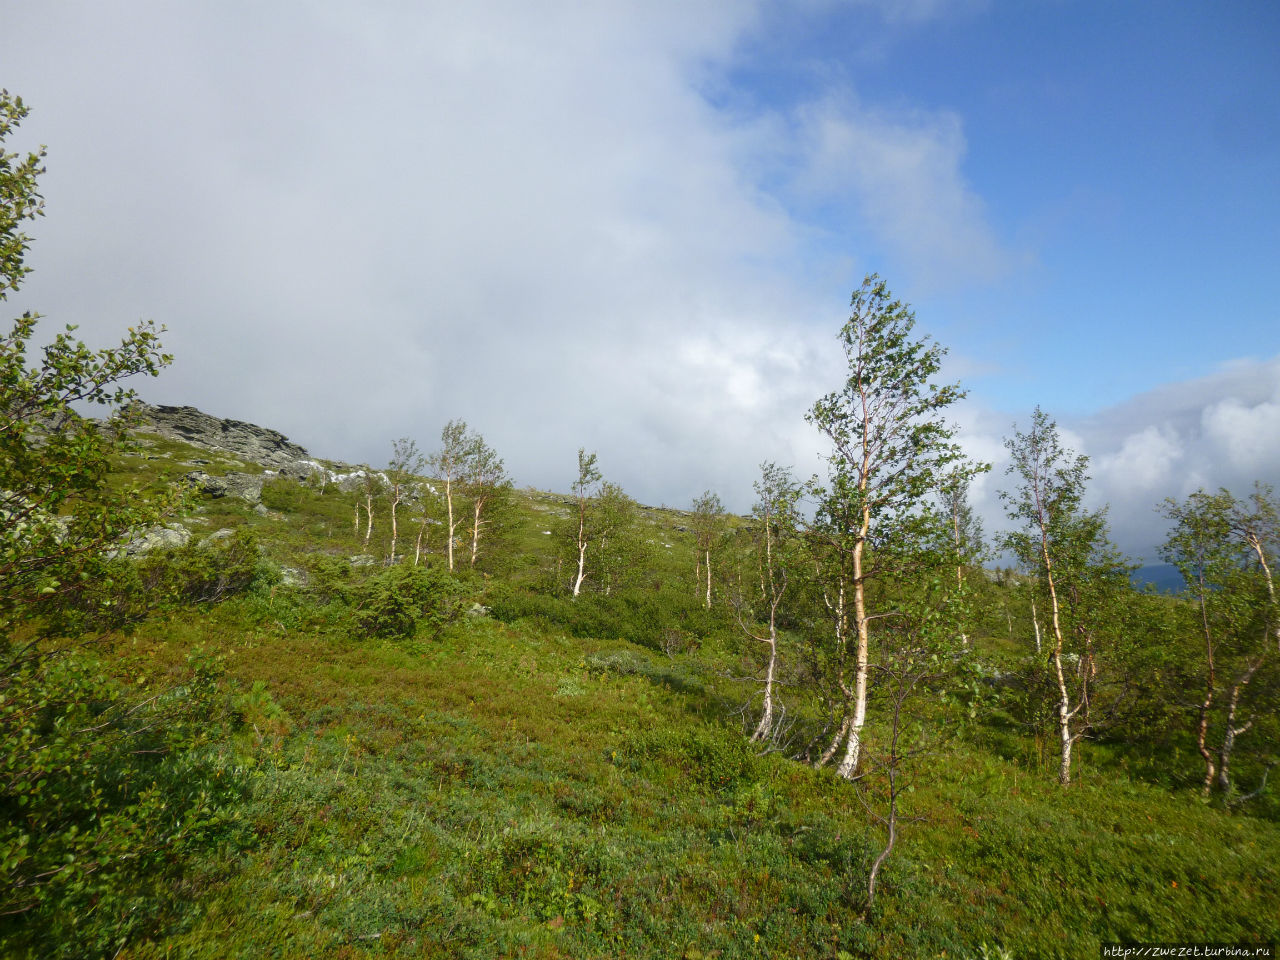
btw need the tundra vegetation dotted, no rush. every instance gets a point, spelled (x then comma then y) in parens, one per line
(820, 730)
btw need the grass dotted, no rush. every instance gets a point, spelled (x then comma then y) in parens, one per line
(540, 783)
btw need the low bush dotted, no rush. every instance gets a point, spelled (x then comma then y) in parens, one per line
(394, 603)
(109, 800)
(128, 588)
(661, 620)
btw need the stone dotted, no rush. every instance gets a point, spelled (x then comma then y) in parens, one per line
(247, 440)
(167, 537)
(246, 486)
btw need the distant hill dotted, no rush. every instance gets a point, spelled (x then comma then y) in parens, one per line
(1163, 576)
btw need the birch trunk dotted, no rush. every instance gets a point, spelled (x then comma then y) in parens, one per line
(853, 752)
(1035, 622)
(1202, 731)
(582, 564)
(1256, 543)
(708, 579)
(475, 531)
(448, 496)
(1232, 731)
(764, 729)
(1064, 697)
(841, 644)
(834, 745)
(394, 531)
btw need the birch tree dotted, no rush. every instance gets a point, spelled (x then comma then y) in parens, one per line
(890, 449)
(1223, 547)
(1067, 548)
(449, 465)
(485, 480)
(708, 528)
(776, 518)
(612, 528)
(583, 490)
(965, 526)
(405, 463)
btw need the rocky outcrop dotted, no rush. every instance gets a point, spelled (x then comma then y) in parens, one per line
(246, 486)
(245, 440)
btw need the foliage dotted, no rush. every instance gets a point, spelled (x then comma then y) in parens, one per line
(106, 794)
(396, 602)
(891, 446)
(1221, 545)
(109, 797)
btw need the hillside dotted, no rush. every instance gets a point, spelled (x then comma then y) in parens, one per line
(491, 769)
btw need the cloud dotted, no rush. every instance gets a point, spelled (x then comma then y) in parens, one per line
(1208, 432)
(358, 224)
(903, 176)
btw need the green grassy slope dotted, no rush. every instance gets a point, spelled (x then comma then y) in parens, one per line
(521, 786)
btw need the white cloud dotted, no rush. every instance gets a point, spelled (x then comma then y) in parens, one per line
(1216, 431)
(1248, 435)
(1143, 463)
(361, 222)
(903, 174)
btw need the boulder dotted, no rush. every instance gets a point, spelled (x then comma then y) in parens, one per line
(246, 486)
(167, 537)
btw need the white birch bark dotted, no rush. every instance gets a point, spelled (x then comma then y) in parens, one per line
(708, 579)
(853, 750)
(1035, 622)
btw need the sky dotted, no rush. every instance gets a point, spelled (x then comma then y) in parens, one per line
(635, 227)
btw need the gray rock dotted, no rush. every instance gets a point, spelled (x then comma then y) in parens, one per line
(168, 537)
(362, 560)
(246, 486)
(346, 482)
(223, 534)
(302, 470)
(247, 440)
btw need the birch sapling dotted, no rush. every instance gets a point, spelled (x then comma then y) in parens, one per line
(776, 518)
(708, 528)
(583, 491)
(1075, 564)
(486, 480)
(449, 464)
(891, 447)
(405, 463)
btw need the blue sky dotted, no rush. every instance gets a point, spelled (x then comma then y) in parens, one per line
(634, 225)
(1125, 154)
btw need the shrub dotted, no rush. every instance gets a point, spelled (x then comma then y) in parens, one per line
(394, 602)
(106, 803)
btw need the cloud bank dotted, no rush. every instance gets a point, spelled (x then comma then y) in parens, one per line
(358, 223)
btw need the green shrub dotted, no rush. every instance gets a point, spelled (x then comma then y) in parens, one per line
(107, 802)
(393, 603)
(329, 578)
(718, 759)
(127, 589)
(668, 621)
